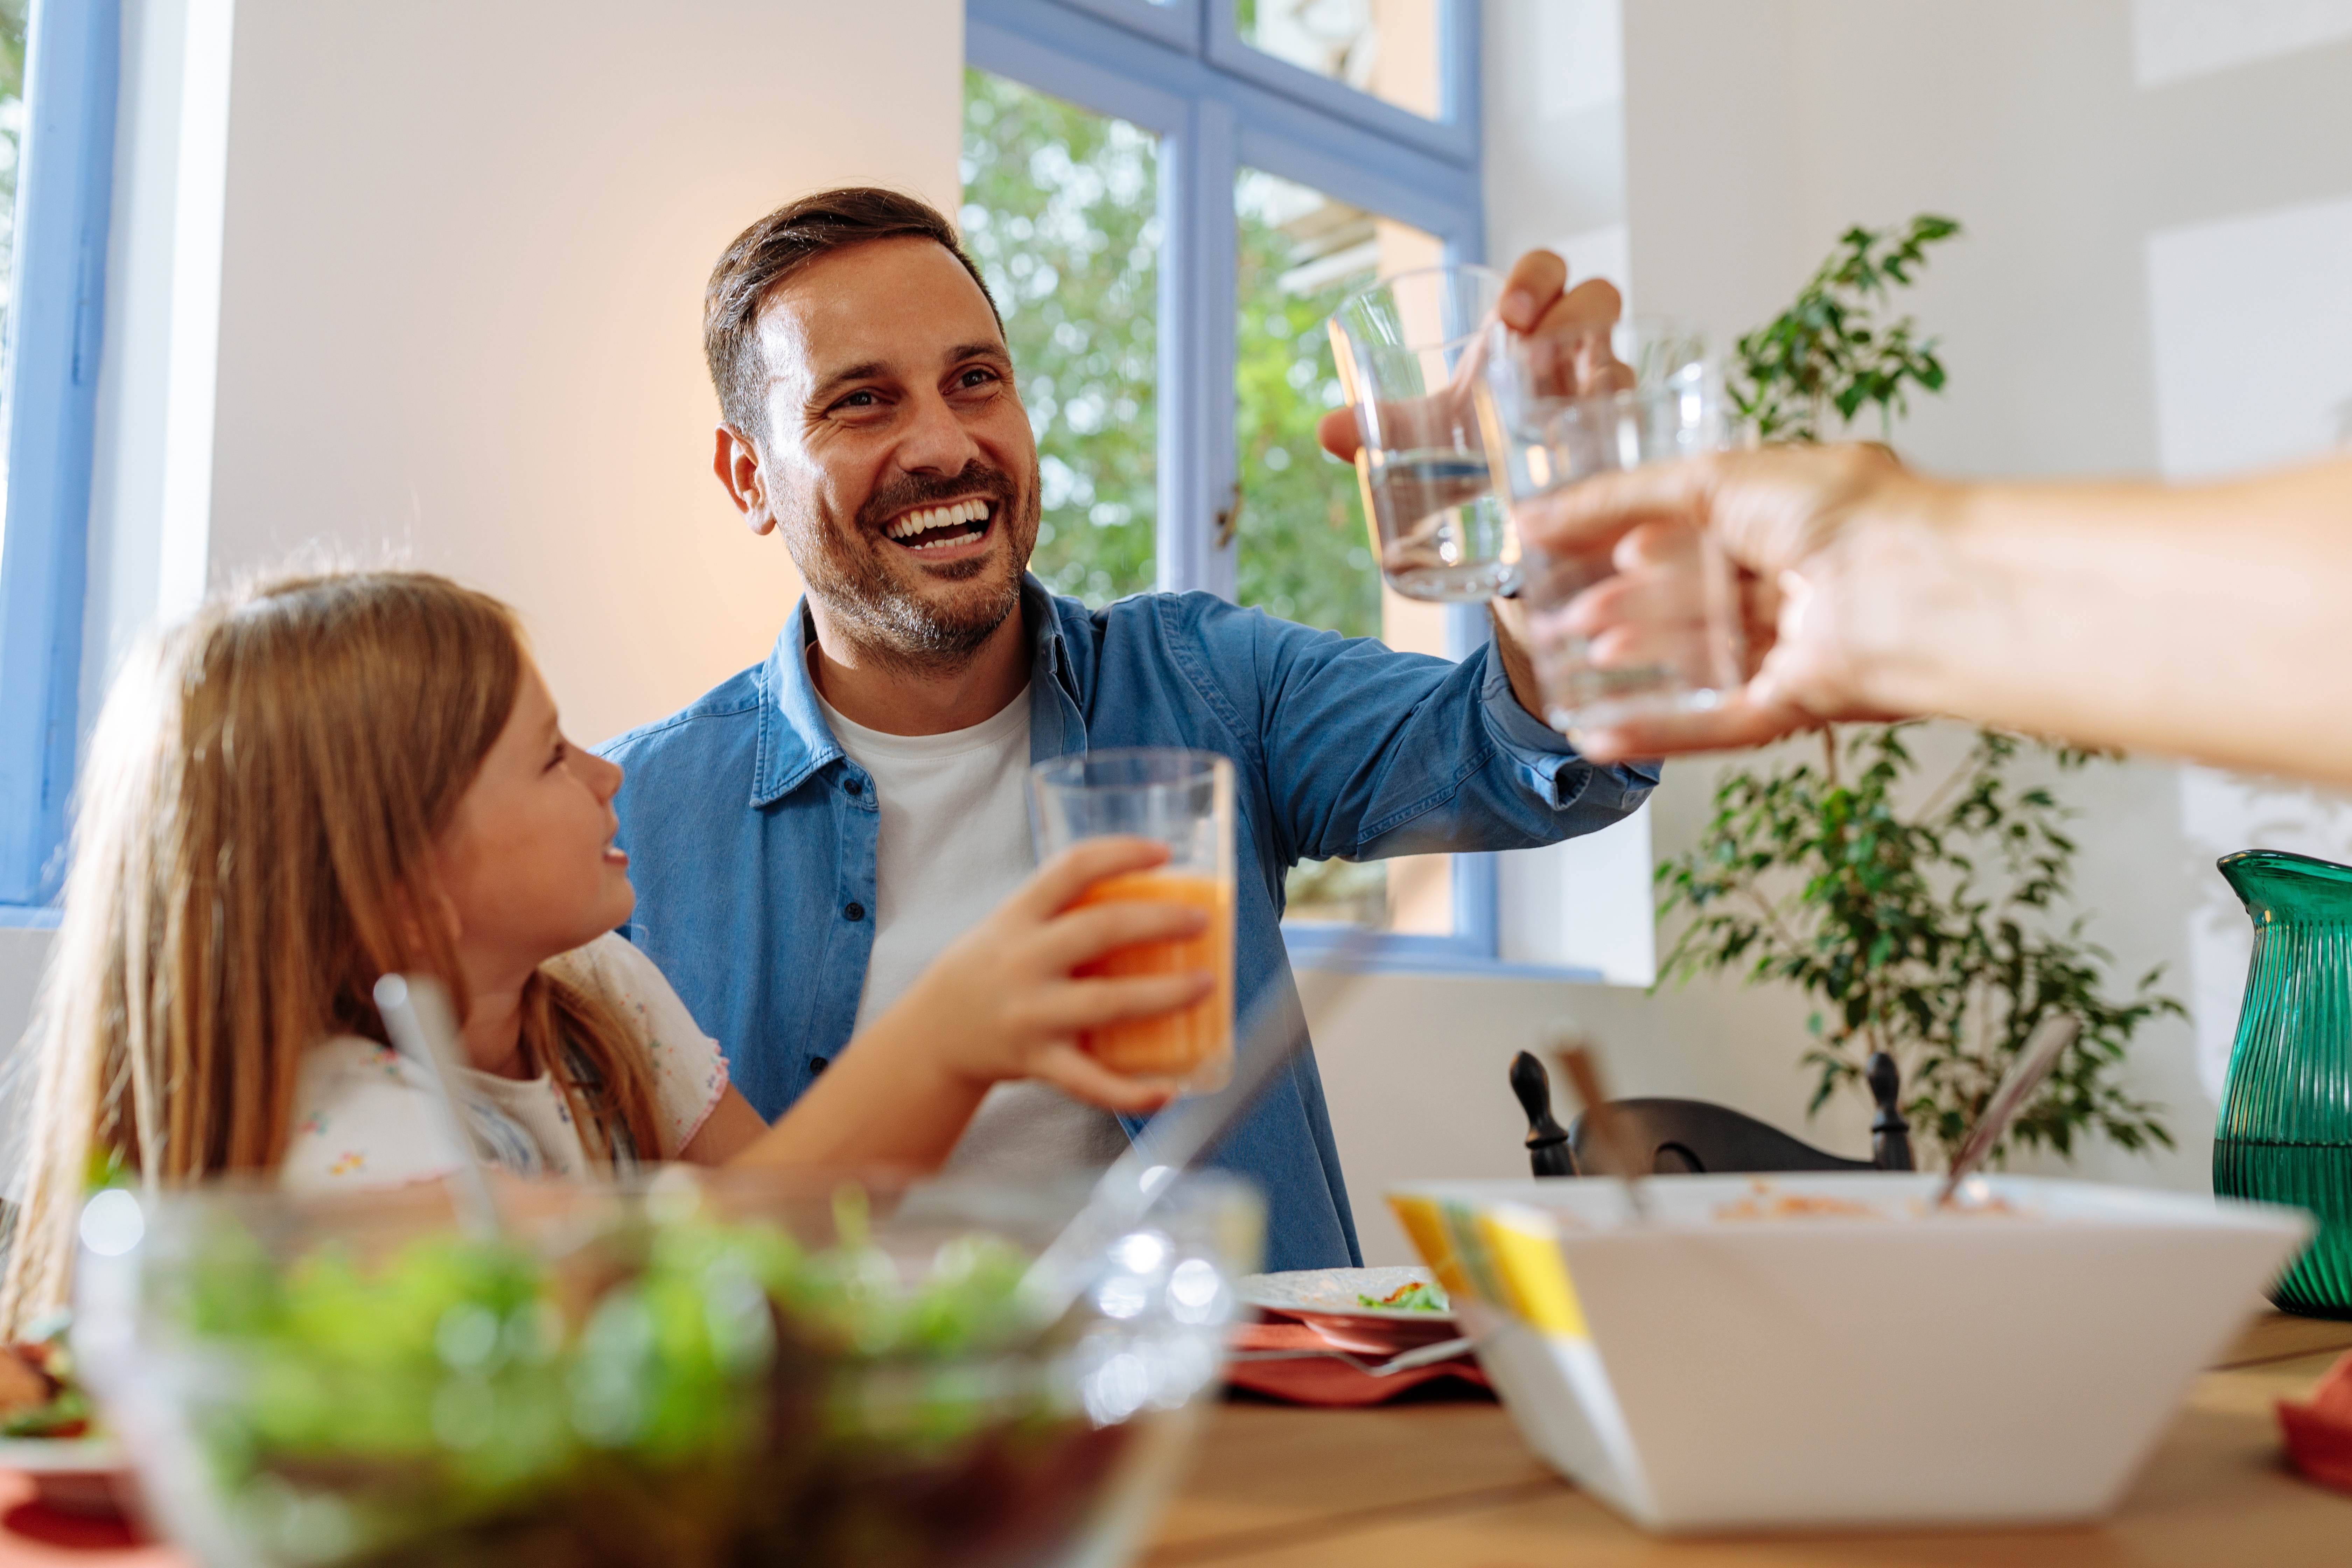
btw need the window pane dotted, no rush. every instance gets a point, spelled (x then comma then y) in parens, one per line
(1385, 48)
(1061, 212)
(12, 145)
(1302, 551)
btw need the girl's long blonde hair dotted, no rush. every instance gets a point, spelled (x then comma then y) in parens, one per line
(251, 852)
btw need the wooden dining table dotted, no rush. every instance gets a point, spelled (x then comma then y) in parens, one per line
(1449, 1485)
(1442, 1485)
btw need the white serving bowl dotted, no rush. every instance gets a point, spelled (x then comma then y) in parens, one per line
(1699, 1372)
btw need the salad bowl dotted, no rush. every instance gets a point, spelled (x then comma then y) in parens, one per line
(700, 1369)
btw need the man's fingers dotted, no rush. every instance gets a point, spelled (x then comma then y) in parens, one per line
(1058, 882)
(1085, 934)
(1592, 306)
(1532, 289)
(1081, 1076)
(1337, 431)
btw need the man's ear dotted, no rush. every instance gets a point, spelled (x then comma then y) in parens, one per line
(737, 463)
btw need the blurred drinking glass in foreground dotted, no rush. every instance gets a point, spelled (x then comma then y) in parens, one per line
(1407, 351)
(1184, 800)
(1648, 625)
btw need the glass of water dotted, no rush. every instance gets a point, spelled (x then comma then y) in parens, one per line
(1649, 625)
(1407, 352)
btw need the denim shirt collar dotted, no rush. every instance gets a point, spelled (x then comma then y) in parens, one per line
(796, 744)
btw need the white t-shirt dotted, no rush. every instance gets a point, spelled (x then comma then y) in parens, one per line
(954, 841)
(362, 1113)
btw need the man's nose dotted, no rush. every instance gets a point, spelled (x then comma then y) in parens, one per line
(935, 441)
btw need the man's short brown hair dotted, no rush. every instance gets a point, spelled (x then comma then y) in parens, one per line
(782, 243)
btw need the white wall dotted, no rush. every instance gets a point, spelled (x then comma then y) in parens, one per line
(1753, 131)
(462, 287)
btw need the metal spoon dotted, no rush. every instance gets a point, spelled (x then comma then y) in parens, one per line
(2041, 1051)
(415, 1013)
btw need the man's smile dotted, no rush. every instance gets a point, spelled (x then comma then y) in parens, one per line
(950, 532)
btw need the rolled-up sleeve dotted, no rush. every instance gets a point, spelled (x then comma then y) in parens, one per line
(1368, 752)
(1552, 767)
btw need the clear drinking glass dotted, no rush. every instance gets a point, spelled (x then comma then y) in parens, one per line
(1407, 352)
(1185, 800)
(1648, 626)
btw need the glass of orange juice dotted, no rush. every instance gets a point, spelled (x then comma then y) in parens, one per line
(1185, 800)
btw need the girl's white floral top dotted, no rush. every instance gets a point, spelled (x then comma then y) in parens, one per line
(362, 1113)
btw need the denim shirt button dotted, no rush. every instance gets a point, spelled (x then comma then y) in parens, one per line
(853, 786)
(853, 911)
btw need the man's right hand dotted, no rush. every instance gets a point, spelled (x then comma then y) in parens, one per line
(1792, 520)
(1570, 324)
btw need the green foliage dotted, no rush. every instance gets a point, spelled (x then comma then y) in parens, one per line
(13, 14)
(1304, 553)
(1938, 934)
(1932, 934)
(1060, 212)
(1826, 352)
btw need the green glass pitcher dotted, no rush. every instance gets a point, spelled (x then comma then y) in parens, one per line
(2286, 1132)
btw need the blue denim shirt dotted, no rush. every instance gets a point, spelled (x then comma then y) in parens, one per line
(751, 836)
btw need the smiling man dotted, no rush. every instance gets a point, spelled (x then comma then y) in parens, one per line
(810, 835)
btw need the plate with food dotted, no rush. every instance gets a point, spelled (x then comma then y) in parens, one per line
(46, 1430)
(1372, 1310)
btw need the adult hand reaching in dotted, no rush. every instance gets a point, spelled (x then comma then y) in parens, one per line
(2200, 621)
(1786, 517)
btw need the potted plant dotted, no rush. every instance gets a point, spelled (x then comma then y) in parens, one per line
(1929, 919)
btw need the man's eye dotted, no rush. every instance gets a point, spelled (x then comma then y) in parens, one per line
(858, 400)
(977, 376)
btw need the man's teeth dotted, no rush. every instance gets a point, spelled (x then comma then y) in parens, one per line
(929, 518)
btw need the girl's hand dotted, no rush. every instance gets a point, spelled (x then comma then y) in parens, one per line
(1002, 1002)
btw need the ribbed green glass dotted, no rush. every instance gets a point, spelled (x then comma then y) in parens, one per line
(2286, 1132)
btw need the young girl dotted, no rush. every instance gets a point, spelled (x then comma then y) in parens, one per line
(333, 778)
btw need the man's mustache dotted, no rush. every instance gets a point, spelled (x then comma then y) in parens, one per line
(914, 490)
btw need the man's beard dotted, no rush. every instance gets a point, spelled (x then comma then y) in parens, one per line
(881, 601)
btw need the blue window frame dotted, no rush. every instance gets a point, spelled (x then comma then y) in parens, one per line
(65, 189)
(1182, 70)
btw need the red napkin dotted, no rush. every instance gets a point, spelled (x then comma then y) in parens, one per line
(2319, 1434)
(1327, 1379)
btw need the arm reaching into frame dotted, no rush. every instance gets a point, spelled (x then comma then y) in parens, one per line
(2200, 621)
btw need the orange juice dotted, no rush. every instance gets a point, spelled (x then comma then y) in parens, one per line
(1196, 1043)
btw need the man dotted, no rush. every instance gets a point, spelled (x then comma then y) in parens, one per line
(810, 834)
